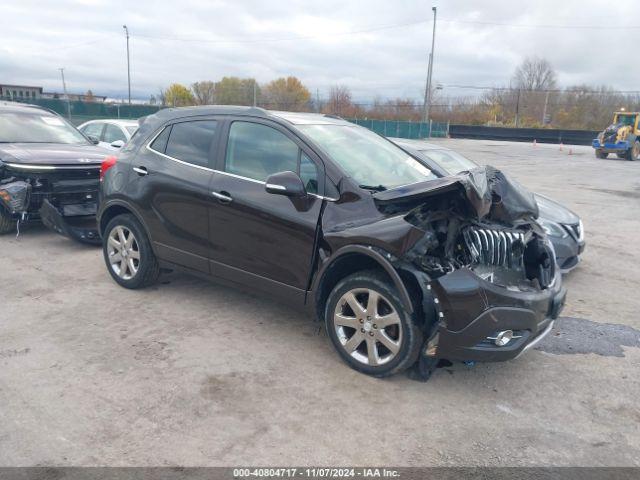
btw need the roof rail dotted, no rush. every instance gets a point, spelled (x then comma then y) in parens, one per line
(258, 111)
(331, 115)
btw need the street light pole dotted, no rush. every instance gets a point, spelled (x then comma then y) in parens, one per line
(427, 93)
(64, 89)
(126, 30)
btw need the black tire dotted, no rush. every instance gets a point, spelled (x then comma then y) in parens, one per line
(633, 153)
(409, 340)
(601, 154)
(148, 269)
(7, 224)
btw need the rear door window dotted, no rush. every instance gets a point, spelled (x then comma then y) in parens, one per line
(93, 130)
(191, 142)
(113, 133)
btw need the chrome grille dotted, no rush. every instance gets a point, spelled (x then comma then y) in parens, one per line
(495, 247)
(576, 231)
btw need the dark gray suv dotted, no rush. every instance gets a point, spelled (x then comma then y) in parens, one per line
(402, 268)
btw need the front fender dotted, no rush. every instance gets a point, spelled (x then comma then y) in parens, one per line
(382, 258)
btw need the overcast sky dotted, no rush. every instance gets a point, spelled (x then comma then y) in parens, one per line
(376, 47)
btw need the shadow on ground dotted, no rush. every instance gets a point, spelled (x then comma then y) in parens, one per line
(578, 335)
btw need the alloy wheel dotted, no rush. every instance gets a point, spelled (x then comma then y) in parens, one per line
(123, 252)
(368, 327)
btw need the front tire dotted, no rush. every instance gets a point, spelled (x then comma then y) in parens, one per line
(601, 153)
(633, 153)
(369, 327)
(128, 253)
(7, 224)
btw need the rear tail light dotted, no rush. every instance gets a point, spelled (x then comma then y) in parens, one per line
(107, 163)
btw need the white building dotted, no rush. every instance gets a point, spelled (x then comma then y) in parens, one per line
(20, 92)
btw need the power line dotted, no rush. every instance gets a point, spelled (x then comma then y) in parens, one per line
(533, 25)
(283, 39)
(550, 90)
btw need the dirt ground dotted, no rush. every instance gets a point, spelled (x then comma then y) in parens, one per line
(191, 373)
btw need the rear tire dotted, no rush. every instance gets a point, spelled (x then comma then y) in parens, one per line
(376, 336)
(601, 154)
(7, 224)
(128, 253)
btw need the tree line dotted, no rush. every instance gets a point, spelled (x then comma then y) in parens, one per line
(532, 98)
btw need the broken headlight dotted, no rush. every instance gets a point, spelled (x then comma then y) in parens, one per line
(552, 228)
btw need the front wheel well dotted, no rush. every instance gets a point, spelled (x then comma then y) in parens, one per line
(353, 262)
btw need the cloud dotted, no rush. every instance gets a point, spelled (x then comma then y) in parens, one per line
(477, 43)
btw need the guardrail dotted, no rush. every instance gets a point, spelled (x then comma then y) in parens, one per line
(541, 135)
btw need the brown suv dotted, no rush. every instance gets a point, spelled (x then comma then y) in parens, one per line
(329, 216)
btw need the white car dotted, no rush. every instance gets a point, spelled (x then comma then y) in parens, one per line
(111, 134)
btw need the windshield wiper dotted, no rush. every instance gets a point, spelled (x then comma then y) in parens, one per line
(376, 188)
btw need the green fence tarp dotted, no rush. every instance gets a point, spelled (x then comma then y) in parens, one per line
(400, 129)
(84, 111)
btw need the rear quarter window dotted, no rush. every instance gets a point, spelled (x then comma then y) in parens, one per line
(191, 142)
(160, 142)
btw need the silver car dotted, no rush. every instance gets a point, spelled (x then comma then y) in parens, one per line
(109, 133)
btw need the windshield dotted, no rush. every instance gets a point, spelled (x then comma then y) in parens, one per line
(626, 119)
(450, 161)
(373, 162)
(37, 127)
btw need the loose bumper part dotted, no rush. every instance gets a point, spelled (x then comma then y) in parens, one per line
(472, 312)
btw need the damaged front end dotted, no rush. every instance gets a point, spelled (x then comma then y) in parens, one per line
(63, 198)
(486, 269)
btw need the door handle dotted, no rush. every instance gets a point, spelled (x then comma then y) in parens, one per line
(142, 171)
(223, 197)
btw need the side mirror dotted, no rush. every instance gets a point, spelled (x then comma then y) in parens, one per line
(285, 183)
(117, 144)
(93, 139)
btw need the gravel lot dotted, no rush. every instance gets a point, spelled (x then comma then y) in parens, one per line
(191, 373)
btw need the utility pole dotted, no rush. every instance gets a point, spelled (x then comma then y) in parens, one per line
(518, 109)
(544, 111)
(255, 93)
(126, 31)
(427, 93)
(66, 95)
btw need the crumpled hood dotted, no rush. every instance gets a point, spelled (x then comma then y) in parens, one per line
(490, 193)
(52, 154)
(552, 210)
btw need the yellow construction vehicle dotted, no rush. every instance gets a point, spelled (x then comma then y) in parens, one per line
(622, 137)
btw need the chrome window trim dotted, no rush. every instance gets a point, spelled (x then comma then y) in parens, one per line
(240, 177)
(148, 146)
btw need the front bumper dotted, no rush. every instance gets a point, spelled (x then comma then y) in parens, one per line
(471, 311)
(611, 147)
(80, 224)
